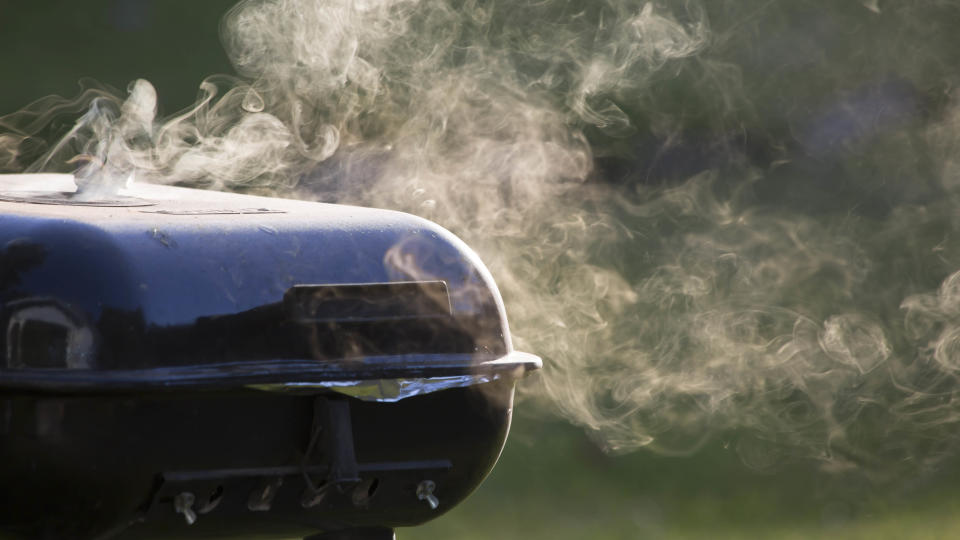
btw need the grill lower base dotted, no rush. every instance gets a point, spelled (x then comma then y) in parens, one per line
(242, 462)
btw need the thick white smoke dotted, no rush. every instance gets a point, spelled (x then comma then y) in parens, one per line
(734, 217)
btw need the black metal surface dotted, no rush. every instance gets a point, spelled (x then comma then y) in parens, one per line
(202, 283)
(230, 375)
(182, 370)
(95, 466)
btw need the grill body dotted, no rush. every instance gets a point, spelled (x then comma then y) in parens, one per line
(181, 363)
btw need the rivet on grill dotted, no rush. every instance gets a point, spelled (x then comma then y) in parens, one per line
(183, 504)
(212, 501)
(425, 493)
(312, 497)
(262, 499)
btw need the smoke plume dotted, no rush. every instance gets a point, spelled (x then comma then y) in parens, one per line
(733, 217)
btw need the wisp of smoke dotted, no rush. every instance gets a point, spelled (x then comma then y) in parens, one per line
(732, 217)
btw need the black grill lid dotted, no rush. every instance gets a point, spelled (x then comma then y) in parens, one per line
(166, 287)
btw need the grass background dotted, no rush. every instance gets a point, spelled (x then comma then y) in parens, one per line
(552, 482)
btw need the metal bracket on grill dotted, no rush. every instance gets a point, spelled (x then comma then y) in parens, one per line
(366, 533)
(338, 440)
(336, 448)
(359, 302)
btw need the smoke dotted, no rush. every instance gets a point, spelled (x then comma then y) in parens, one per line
(711, 219)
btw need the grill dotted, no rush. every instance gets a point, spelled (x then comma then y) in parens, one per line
(182, 363)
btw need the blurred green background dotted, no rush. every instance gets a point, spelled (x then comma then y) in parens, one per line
(48, 47)
(552, 481)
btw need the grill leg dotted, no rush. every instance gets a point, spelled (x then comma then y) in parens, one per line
(366, 533)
